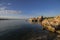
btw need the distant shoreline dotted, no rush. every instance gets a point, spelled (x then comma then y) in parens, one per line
(12, 19)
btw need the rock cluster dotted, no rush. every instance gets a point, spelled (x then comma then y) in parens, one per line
(49, 23)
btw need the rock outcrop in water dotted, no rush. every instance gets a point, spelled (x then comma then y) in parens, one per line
(49, 23)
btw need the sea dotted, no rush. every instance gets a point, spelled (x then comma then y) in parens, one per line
(24, 30)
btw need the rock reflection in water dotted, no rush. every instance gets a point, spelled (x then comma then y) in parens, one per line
(23, 30)
(45, 35)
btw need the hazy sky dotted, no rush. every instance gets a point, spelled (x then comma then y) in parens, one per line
(28, 8)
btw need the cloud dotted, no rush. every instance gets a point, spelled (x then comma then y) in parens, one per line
(4, 3)
(6, 13)
(0, 4)
(9, 11)
(3, 9)
(8, 3)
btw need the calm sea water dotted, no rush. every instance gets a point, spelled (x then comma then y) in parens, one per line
(23, 30)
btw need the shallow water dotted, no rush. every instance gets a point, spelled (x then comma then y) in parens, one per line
(23, 30)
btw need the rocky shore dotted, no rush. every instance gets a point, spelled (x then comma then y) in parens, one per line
(48, 23)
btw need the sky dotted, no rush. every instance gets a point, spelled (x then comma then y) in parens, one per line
(29, 8)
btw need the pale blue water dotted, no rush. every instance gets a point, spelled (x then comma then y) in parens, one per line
(22, 30)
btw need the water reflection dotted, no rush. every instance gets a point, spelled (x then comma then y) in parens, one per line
(23, 30)
(48, 35)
